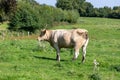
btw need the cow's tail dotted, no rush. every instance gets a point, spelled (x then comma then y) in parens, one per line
(86, 43)
(87, 39)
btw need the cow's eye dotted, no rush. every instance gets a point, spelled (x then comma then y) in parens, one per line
(40, 35)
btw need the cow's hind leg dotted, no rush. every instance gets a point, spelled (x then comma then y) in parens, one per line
(84, 53)
(84, 50)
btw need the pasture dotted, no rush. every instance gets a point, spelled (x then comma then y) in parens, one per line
(25, 59)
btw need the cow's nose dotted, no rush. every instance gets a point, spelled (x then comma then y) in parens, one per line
(38, 38)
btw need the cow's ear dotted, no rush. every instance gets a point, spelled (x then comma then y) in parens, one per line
(44, 31)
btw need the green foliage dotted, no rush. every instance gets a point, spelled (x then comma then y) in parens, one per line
(116, 67)
(7, 9)
(95, 77)
(31, 16)
(70, 4)
(27, 60)
(64, 4)
(4, 26)
(104, 12)
(25, 18)
(86, 9)
(72, 16)
(115, 13)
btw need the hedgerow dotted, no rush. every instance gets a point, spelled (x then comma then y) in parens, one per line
(30, 17)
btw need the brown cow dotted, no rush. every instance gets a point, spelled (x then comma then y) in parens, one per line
(61, 38)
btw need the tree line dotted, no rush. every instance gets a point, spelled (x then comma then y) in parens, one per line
(28, 15)
(86, 9)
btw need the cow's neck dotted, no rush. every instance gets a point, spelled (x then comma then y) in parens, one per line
(48, 35)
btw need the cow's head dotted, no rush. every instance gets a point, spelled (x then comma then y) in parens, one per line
(43, 35)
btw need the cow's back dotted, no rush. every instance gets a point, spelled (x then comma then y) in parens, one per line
(67, 38)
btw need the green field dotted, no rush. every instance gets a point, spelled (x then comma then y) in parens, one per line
(4, 25)
(25, 59)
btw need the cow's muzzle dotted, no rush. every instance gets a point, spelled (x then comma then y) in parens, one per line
(38, 39)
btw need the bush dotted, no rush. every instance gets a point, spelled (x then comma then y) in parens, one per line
(95, 76)
(115, 14)
(30, 17)
(116, 68)
(72, 16)
(25, 18)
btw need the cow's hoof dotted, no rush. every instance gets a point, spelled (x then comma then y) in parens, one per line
(58, 58)
(83, 61)
(74, 59)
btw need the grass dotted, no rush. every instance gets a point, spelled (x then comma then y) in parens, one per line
(25, 59)
(4, 25)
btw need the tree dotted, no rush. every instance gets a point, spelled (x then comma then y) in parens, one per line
(95, 12)
(25, 18)
(64, 4)
(87, 9)
(84, 8)
(115, 13)
(31, 16)
(116, 8)
(104, 12)
(7, 8)
(69, 4)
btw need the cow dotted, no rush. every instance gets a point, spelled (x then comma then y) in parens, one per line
(62, 38)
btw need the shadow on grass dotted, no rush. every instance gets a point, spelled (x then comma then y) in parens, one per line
(46, 58)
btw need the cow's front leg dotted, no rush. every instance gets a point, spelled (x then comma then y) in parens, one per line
(58, 55)
(57, 52)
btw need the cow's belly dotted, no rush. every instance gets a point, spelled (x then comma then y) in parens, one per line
(65, 44)
(64, 40)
